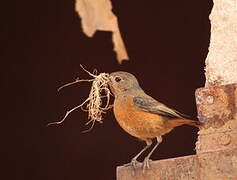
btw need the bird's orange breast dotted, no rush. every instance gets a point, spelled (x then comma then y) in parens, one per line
(137, 122)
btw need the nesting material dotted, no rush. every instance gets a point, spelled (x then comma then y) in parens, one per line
(93, 104)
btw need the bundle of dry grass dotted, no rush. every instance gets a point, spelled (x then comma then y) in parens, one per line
(94, 105)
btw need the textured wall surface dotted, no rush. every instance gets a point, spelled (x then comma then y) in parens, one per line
(217, 109)
(221, 62)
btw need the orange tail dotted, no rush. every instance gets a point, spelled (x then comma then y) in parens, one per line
(179, 122)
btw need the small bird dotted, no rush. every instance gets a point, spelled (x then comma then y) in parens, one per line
(142, 116)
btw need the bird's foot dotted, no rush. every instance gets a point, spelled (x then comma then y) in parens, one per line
(146, 164)
(133, 164)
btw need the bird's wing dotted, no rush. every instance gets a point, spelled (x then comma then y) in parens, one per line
(148, 104)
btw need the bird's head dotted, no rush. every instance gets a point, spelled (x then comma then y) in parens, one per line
(121, 82)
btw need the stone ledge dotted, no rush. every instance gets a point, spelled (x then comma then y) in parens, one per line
(216, 165)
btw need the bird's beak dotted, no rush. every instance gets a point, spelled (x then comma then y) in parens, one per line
(111, 83)
(110, 79)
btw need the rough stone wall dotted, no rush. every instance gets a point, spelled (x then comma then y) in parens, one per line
(217, 109)
(217, 104)
(221, 62)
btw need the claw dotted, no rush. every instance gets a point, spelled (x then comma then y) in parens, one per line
(133, 165)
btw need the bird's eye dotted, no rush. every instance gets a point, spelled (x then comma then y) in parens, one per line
(117, 79)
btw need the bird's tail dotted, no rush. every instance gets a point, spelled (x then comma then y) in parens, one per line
(180, 122)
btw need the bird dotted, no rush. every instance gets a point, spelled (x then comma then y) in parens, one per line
(142, 116)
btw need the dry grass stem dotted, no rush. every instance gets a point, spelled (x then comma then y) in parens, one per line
(94, 104)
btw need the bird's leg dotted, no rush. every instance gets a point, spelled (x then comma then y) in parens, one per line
(134, 159)
(146, 163)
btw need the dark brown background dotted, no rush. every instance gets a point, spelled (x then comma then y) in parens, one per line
(167, 42)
